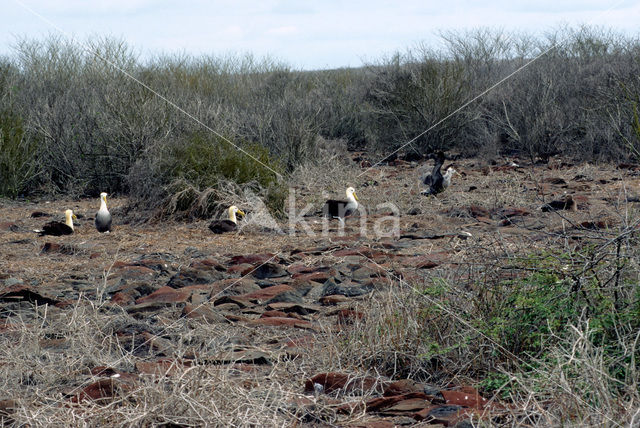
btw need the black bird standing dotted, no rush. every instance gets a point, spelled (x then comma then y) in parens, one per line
(435, 181)
(334, 208)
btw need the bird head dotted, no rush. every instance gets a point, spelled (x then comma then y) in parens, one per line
(351, 192)
(233, 210)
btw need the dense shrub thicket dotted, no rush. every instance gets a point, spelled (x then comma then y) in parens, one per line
(81, 119)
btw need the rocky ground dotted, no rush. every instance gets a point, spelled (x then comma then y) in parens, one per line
(166, 323)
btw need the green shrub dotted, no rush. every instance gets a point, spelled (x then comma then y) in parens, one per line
(17, 155)
(204, 159)
(534, 315)
(191, 171)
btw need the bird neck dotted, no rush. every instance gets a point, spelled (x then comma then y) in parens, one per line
(103, 205)
(69, 221)
(232, 216)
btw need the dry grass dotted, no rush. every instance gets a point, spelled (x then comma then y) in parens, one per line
(431, 327)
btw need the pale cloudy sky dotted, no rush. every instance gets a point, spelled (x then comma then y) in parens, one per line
(303, 34)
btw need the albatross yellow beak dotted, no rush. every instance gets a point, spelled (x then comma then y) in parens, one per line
(241, 213)
(355, 196)
(74, 217)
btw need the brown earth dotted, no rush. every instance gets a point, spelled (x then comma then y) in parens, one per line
(261, 305)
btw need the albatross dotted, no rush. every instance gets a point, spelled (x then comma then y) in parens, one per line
(436, 181)
(103, 217)
(227, 225)
(567, 203)
(340, 209)
(56, 228)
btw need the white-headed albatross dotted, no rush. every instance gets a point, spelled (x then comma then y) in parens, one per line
(334, 208)
(227, 225)
(103, 217)
(56, 228)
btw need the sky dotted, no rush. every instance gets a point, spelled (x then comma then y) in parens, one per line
(303, 34)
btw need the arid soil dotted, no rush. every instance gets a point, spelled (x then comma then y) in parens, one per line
(167, 323)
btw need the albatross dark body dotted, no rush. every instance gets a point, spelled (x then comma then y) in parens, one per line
(435, 181)
(103, 222)
(334, 208)
(55, 228)
(222, 226)
(567, 203)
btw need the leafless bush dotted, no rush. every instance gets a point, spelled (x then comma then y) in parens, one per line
(97, 113)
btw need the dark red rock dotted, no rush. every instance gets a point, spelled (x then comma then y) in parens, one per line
(447, 415)
(267, 314)
(207, 264)
(319, 276)
(422, 262)
(348, 316)
(467, 398)
(7, 408)
(234, 286)
(240, 268)
(374, 424)
(404, 386)
(598, 224)
(333, 381)
(282, 322)
(478, 211)
(407, 407)
(333, 299)
(268, 293)
(240, 301)
(301, 342)
(254, 259)
(132, 272)
(297, 308)
(511, 212)
(190, 276)
(267, 270)
(53, 247)
(298, 268)
(413, 402)
(360, 251)
(122, 299)
(166, 294)
(102, 391)
(202, 312)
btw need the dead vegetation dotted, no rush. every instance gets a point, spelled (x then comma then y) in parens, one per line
(538, 312)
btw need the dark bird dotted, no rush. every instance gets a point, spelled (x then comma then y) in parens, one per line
(103, 217)
(56, 228)
(334, 208)
(567, 203)
(227, 225)
(436, 181)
